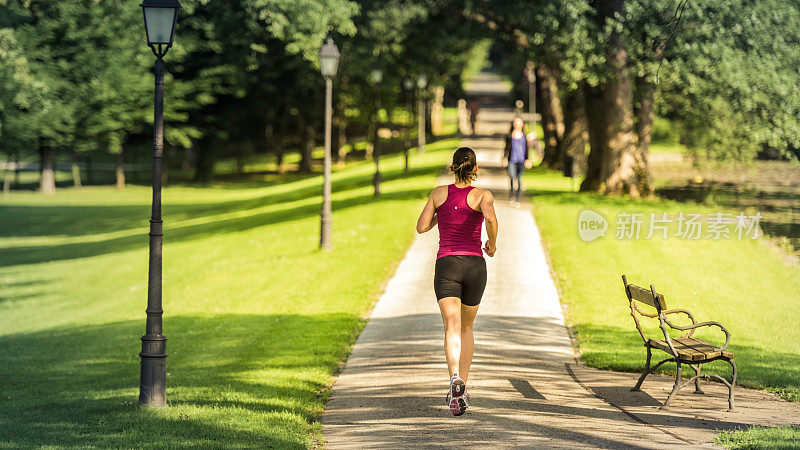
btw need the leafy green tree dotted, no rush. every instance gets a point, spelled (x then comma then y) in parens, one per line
(730, 78)
(19, 93)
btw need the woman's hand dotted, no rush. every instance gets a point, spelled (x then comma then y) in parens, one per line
(528, 163)
(490, 248)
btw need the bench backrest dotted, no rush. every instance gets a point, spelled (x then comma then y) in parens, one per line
(647, 296)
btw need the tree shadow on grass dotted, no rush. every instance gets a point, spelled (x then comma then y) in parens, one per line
(10, 256)
(242, 380)
(81, 220)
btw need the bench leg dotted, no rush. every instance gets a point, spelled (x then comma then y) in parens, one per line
(697, 389)
(733, 383)
(674, 388)
(646, 371)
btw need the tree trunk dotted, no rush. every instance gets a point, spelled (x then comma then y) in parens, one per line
(89, 171)
(76, 171)
(618, 172)
(594, 122)
(643, 110)
(120, 170)
(428, 107)
(271, 142)
(463, 118)
(16, 170)
(618, 143)
(575, 128)
(307, 149)
(189, 158)
(341, 135)
(47, 176)
(7, 177)
(334, 138)
(437, 109)
(201, 168)
(279, 160)
(552, 115)
(204, 164)
(240, 158)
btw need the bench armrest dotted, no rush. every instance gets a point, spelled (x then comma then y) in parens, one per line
(688, 314)
(693, 326)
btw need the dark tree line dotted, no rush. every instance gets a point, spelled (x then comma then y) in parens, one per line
(243, 78)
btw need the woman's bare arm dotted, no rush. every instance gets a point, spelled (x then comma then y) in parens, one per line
(427, 219)
(490, 219)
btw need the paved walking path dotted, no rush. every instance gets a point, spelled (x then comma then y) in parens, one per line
(525, 385)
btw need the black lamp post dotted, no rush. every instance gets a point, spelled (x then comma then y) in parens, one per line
(329, 63)
(409, 85)
(422, 83)
(160, 17)
(530, 74)
(376, 76)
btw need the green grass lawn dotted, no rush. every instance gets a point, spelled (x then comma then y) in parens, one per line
(257, 319)
(744, 284)
(761, 438)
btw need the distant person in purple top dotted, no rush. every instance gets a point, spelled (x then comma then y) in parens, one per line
(517, 156)
(459, 279)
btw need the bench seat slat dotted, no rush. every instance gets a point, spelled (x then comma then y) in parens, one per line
(690, 349)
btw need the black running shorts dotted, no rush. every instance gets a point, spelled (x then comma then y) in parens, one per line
(461, 276)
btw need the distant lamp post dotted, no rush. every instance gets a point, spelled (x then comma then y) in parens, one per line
(329, 63)
(376, 76)
(408, 84)
(160, 17)
(422, 82)
(530, 74)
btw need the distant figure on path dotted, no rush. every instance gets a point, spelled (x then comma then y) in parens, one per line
(459, 209)
(474, 108)
(517, 157)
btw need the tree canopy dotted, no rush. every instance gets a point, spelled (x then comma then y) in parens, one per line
(243, 76)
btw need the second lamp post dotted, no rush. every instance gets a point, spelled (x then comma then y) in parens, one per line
(329, 63)
(530, 74)
(408, 84)
(376, 76)
(422, 82)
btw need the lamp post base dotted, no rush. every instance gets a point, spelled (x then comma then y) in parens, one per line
(153, 379)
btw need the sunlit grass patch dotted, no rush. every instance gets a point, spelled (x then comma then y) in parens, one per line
(742, 283)
(257, 318)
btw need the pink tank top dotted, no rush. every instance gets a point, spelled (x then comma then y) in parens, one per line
(459, 225)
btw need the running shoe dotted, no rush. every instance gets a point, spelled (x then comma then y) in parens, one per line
(458, 406)
(457, 400)
(466, 398)
(457, 386)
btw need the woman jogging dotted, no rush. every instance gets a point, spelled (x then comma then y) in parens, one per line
(516, 156)
(460, 274)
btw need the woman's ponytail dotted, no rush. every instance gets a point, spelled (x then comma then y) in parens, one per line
(463, 165)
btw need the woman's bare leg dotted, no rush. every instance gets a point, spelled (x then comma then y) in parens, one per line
(467, 340)
(451, 315)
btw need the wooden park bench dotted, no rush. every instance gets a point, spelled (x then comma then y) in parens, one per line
(685, 349)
